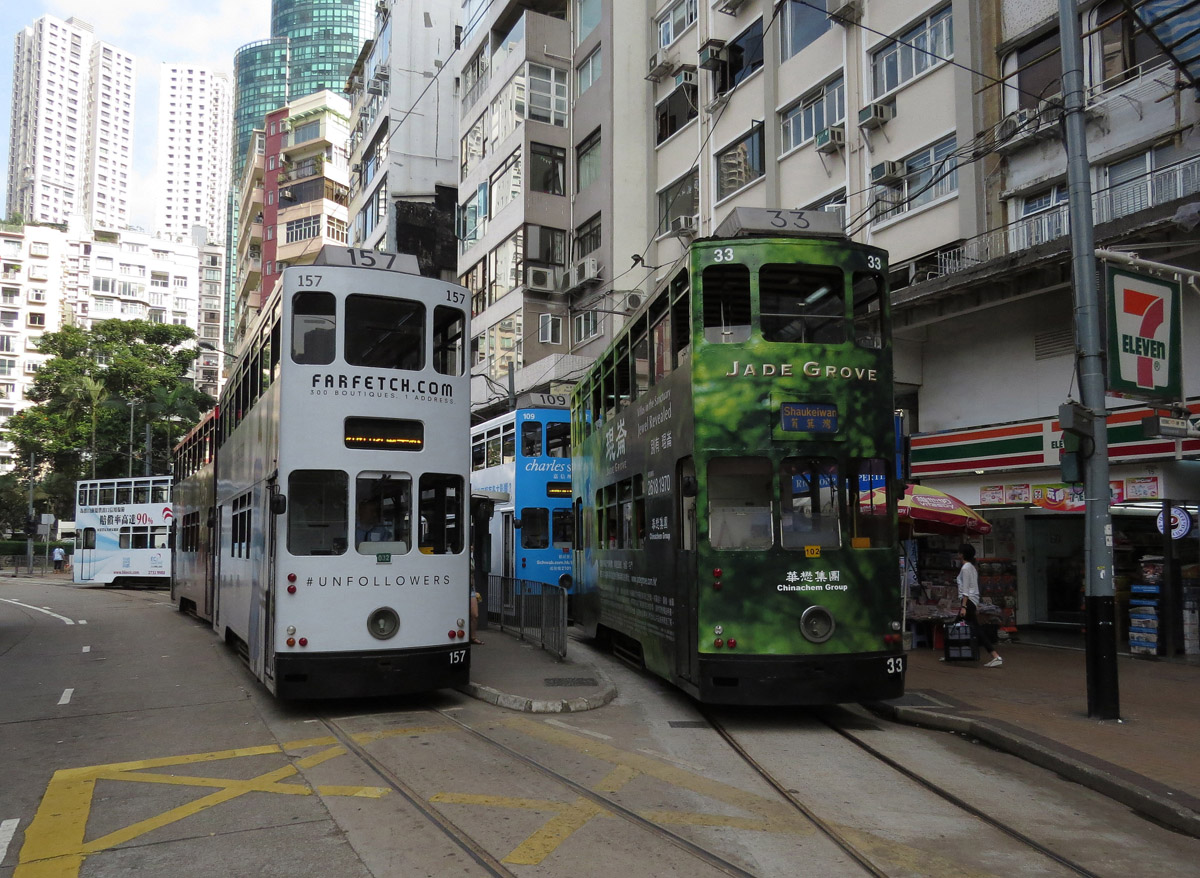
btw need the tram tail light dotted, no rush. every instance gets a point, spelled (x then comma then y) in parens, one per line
(303, 641)
(731, 643)
(718, 643)
(291, 589)
(716, 579)
(291, 641)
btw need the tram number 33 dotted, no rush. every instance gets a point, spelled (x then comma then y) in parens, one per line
(458, 656)
(895, 665)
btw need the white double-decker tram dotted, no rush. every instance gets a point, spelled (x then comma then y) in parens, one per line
(342, 465)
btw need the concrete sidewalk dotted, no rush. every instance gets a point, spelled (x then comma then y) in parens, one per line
(1035, 706)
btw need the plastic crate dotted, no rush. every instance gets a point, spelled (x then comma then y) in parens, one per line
(961, 645)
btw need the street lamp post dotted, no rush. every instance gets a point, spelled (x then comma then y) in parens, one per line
(132, 403)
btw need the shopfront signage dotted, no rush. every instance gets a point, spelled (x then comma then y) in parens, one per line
(1144, 336)
(1181, 523)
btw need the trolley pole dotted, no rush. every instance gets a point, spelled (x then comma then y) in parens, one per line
(1100, 604)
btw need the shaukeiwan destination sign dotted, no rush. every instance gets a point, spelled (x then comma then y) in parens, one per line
(1144, 336)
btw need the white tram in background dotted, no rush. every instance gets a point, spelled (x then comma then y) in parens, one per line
(122, 529)
(337, 526)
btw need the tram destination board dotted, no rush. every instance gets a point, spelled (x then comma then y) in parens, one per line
(808, 417)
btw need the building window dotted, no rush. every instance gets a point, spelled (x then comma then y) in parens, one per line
(681, 198)
(800, 24)
(587, 16)
(743, 57)
(547, 95)
(920, 48)
(587, 325)
(302, 229)
(549, 329)
(506, 184)
(545, 246)
(740, 164)
(928, 175)
(587, 161)
(505, 264)
(36, 320)
(587, 237)
(588, 72)
(547, 169)
(676, 111)
(473, 146)
(1124, 46)
(1038, 72)
(675, 21)
(814, 112)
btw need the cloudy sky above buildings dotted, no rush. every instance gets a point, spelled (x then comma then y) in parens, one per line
(201, 32)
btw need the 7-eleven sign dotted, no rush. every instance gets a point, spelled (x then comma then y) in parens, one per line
(1144, 337)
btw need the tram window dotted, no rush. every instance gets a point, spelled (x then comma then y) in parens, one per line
(800, 303)
(558, 439)
(160, 494)
(808, 503)
(641, 361)
(385, 333)
(726, 298)
(868, 296)
(681, 320)
(535, 527)
(508, 444)
(563, 524)
(449, 335)
(442, 517)
(125, 495)
(383, 513)
(493, 448)
(622, 374)
(612, 534)
(739, 503)
(868, 492)
(108, 495)
(478, 453)
(531, 439)
(316, 510)
(314, 328)
(158, 536)
(141, 492)
(89, 538)
(275, 352)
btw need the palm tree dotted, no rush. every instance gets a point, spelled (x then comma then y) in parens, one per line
(171, 406)
(86, 390)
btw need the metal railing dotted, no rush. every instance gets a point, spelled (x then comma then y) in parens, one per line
(534, 611)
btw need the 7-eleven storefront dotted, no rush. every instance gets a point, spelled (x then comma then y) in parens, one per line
(1009, 473)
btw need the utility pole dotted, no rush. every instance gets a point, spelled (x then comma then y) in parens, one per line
(30, 526)
(1090, 419)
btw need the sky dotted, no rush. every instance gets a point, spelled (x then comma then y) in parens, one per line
(201, 32)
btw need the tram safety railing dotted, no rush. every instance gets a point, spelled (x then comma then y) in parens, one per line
(534, 611)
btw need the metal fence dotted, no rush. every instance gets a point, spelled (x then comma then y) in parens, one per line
(534, 611)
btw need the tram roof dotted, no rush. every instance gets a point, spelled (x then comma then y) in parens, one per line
(746, 221)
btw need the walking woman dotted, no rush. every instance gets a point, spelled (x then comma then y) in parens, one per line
(968, 596)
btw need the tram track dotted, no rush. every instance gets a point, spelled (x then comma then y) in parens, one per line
(464, 840)
(838, 838)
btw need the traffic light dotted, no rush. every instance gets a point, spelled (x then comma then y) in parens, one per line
(30, 527)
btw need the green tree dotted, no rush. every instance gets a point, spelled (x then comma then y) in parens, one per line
(81, 423)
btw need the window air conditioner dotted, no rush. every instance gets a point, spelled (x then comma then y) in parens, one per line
(542, 280)
(730, 7)
(659, 66)
(845, 9)
(874, 115)
(712, 54)
(683, 225)
(887, 172)
(831, 139)
(686, 76)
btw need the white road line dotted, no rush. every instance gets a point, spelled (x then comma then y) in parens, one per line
(66, 696)
(82, 621)
(7, 829)
(87, 649)
(657, 755)
(40, 610)
(570, 728)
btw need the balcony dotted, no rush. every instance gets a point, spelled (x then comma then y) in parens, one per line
(1127, 199)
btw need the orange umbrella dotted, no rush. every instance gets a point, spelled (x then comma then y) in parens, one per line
(928, 510)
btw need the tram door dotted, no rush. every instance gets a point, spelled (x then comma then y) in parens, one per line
(85, 558)
(687, 655)
(508, 528)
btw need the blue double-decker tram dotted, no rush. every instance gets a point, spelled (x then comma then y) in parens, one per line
(523, 459)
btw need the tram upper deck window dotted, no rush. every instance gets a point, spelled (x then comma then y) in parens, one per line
(449, 340)
(314, 328)
(808, 503)
(316, 511)
(531, 439)
(558, 439)
(868, 296)
(739, 503)
(802, 303)
(726, 299)
(160, 493)
(385, 333)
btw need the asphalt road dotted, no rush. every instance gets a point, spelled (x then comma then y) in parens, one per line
(131, 739)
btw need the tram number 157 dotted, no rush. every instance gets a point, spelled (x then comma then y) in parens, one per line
(458, 656)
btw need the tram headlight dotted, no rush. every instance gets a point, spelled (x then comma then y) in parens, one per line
(816, 624)
(383, 623)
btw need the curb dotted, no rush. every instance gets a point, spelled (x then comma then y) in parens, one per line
(1157, 806)
(534, 705)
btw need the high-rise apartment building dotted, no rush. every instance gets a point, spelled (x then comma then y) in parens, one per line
(72, 125)
(195, 117)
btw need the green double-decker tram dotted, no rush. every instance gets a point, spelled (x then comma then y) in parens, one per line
(734, 472)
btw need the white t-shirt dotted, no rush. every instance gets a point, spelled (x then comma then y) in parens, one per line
(968, 583)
